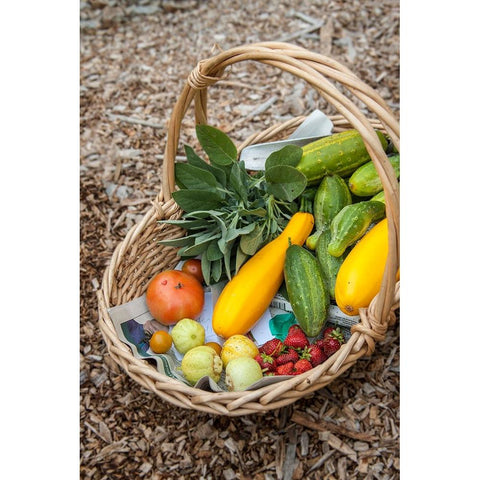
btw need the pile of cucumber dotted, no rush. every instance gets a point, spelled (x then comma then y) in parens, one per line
(349, 199)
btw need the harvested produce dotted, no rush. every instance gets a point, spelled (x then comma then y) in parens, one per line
(193, 266)
(160, 342)
(296, 355)
(267, 363)
(200, 362)
(307, 289)
(366, 182)
(228, 214)
(351, 223)
(332, 195)
(341, 153)
(187, 334)
(172, 295)
(329, 264)
(242, 372)
(296, 338)
(238, 346)
(246, 297)
(379, 197)
(360, 276)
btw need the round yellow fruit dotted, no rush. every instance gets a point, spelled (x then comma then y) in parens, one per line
(238, 346)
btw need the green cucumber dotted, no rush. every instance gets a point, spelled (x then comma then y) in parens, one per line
(341, 153)
(328, 263)
(307, 289)
(366, 182)
(351, 223)
(379, 197)
(332, 195)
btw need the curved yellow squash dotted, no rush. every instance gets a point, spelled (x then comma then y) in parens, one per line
(249, 293)
(360, 275)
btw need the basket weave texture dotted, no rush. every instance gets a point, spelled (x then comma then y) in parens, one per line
(139, 256)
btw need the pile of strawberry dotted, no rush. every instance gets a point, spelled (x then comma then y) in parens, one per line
(296, 354)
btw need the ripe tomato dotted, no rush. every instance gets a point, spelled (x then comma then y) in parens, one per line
(173, 295)
(160, 342)
(193, 266)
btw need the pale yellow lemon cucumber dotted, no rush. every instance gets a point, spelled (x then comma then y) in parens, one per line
(360, 275)
(249, 293)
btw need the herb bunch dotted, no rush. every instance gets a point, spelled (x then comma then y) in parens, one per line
(228, 214)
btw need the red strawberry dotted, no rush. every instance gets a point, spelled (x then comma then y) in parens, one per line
(331, 346)
(290, 355)
(336, 333)
(296, 337)
(301, 366)
(285, 369)
(315, 355)
(266, 362)
(272, 347)
(320, 342)
(328, 331)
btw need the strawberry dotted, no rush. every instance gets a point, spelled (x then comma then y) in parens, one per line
(336, 333)
(331, 346)
(301, 366)
(285, 369)
(272, 347)
(320, 342)
(266, 362)
(315, 355)
(290, 355)
(296, 337)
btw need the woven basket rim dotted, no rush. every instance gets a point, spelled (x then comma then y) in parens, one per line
(374, 320)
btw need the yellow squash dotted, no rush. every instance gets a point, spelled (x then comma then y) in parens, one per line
(360, 275)
(249, 293)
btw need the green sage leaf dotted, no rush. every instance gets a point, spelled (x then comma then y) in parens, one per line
(285, 182)
(213, 252)
(250, 242)
(191, 200)
(238, 183)
(216, 270)
(206, 264)
(217, 145)
(240, 259)
(195, 178)
(197, 161)
(288, 155)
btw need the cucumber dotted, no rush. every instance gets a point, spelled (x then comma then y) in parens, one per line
(328, 263)
(351, 223)
(366, 182)
(312, 240)
(332, 195)
(307, 289)
(341, 153)
(379, 197)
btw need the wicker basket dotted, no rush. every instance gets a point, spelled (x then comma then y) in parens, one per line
(139, 256)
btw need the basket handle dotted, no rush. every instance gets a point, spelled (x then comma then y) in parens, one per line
(315, 69)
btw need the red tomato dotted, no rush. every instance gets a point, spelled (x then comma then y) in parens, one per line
(193, 266)
(173, 295)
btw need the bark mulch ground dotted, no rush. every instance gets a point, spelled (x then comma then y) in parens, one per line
(135, 57)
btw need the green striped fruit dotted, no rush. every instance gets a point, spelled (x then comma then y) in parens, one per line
(332, 195)
(307, 289)
(366, 182)
(379, 197)
(341, 153)
(351, 223)
(328, 263)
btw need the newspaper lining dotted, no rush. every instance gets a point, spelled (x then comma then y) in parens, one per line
(133, 322)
